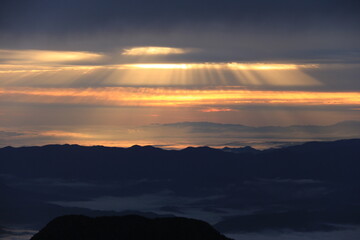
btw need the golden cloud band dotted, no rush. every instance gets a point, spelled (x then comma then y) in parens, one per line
(129, 96)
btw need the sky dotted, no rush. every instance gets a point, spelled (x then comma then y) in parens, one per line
(120, 73)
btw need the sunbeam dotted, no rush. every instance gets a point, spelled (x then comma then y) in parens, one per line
(162, 74)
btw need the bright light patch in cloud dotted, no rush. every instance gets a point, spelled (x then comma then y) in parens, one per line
(209, 110)
(45, 57)
(142, 51)
(220, 66)
(184, 66)
(268, 66)
(158, 66)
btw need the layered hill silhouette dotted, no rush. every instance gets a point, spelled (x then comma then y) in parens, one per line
(131, 227)
(38, 184)
(315, 160)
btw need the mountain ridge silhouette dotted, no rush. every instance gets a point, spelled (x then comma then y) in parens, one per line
(134, 227)
(323, 176)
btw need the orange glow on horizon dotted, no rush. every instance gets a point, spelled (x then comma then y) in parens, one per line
(56, 133)
(129, 96)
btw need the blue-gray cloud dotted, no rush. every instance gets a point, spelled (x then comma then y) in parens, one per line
(226, 30)
(86, 15)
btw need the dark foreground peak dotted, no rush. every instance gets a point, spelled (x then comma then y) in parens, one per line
(131, 227)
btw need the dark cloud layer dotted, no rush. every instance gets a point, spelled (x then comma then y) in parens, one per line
(87, 15)
(224, 30)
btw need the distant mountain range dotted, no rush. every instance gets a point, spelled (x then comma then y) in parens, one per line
(107, 163)
(218, 134)
(181, 134)
(316, 183)
(345, 127)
